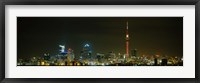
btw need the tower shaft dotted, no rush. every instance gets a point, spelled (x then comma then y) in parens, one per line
(127, 40)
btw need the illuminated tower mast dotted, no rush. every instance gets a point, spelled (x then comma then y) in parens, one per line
(127, 41)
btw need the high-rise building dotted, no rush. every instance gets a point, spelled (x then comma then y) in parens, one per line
(62, 50)
(155, 62)
(86, 53)
(164, 62)
(46, 57)
(134, 52)
(111, 56)
(100, 57)
(70, 55)
(127, 41)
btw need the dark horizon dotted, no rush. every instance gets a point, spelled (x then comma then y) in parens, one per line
(149, 35)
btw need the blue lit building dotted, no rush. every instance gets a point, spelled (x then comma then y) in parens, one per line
(62, 50)
(86, 53)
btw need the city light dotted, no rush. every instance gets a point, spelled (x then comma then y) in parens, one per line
(87, 57)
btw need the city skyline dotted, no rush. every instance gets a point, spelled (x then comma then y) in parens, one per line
(149, 35)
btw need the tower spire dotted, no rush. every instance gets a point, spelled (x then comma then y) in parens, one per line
(127, 25)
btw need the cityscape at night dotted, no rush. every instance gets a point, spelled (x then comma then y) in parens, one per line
(99, 41)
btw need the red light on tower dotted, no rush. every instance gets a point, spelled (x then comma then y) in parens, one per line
(127, 40)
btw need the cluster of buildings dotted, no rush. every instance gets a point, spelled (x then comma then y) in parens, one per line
(87, 58)
(66, 57)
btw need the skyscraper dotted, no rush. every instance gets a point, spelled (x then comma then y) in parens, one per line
(127, 41)
(86, 53)
(70, 55)
(62, 50)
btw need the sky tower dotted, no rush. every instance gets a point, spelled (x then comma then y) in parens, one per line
(127, 41)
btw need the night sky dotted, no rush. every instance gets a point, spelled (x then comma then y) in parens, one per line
(149, 35)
